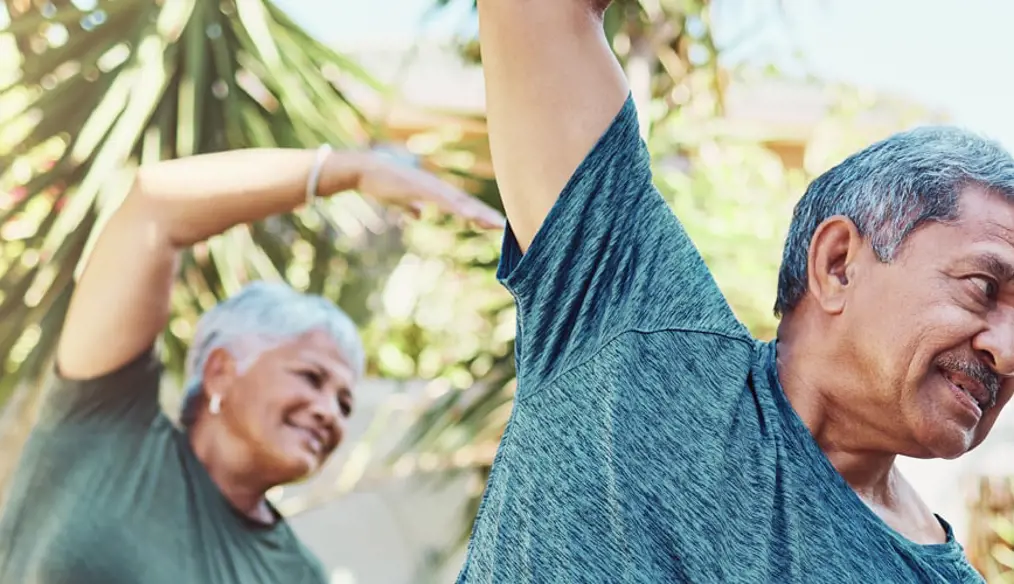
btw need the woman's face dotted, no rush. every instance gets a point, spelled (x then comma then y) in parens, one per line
(289, 407)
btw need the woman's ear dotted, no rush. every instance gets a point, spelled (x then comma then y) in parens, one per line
(219, 373)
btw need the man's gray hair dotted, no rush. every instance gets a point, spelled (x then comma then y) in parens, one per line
(263, 314)
(888, 190)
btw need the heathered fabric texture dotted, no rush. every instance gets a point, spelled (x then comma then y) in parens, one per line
(108, 491)
(650, 439)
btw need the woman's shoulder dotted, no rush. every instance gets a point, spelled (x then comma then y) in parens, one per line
(124, 400)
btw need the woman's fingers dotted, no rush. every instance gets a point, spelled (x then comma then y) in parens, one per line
(414, 189)
(476, 211)
(457, 202)
(471, 210)
(488, 217)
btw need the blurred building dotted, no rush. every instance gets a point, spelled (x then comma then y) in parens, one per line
(439, 93)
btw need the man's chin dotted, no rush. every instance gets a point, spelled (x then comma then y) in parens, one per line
(947, 445)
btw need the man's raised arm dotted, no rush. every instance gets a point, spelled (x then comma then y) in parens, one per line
(553, 86)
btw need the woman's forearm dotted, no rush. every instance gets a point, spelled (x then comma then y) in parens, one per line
(192, 199)
(121, 302)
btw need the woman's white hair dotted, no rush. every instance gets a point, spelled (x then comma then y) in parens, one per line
(263, 315)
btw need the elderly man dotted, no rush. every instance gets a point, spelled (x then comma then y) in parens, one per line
(653, 440)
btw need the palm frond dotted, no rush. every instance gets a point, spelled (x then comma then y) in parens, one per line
(97, 92)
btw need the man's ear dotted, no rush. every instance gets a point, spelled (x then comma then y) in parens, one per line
(834, 248)
(220, 372)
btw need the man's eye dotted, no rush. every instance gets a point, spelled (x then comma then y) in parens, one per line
(987, 286)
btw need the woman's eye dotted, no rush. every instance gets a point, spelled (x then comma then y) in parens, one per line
(313, 377)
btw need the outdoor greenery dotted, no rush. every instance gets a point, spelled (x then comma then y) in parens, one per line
(95, 88)
(991, 548)
(90, 89)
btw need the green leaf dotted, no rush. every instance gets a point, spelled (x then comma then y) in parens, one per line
(133, 82)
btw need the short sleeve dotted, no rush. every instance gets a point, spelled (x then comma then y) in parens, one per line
(610, 258)
(126, 399)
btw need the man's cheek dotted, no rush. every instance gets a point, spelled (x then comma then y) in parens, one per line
(1006, 392)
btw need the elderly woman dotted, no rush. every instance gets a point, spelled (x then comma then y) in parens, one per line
(109, 491)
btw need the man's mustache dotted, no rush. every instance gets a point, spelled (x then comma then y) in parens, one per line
(974, 369)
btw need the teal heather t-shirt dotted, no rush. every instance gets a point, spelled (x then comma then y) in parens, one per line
(109, 491)
(650, 439)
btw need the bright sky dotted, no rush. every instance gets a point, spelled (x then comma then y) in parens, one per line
(353, 23)
(946, 53)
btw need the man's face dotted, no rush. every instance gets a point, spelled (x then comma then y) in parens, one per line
(933, 330)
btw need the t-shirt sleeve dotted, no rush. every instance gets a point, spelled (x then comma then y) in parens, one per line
(610, 258)
(124, 400)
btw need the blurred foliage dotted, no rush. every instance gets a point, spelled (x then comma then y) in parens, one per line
(90, 89)
(991, 545)
(103, 86)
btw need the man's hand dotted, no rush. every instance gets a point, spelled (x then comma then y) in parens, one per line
(411, 189)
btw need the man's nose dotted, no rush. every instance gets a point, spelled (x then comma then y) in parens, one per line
(996, 343)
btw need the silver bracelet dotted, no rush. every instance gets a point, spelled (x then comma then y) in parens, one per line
(313, 181)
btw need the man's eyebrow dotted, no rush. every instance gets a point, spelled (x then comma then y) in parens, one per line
(995, 265)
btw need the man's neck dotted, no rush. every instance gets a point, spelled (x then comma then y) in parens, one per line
(850, 445)
(844, 427)
(219, 456)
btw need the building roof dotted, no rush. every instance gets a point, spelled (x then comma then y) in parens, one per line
(433, 83)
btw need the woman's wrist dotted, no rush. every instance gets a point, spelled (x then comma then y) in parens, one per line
(341, 171)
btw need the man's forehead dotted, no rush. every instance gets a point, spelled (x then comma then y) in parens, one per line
(982, 233)
(986, 212)
(984, 225)
(986, 244)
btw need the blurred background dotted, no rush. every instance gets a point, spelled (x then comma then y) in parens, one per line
(742, 103)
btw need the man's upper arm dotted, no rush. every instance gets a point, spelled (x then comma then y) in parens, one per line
(553, 86)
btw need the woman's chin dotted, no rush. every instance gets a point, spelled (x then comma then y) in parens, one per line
(292, 465)
(302, 466)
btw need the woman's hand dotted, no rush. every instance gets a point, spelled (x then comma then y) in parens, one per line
(396, 184)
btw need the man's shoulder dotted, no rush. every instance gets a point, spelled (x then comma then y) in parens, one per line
(655, 363)
(709, 343)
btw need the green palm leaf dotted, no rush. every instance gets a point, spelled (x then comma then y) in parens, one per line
(98, 87)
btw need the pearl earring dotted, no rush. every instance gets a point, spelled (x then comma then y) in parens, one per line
(215, 405)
